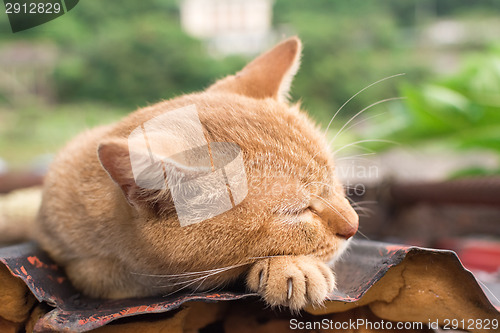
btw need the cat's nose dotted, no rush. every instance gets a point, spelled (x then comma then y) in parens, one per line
(347, 225)
(343, 221)
(348, 229)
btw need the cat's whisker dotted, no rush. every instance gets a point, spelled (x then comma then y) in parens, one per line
(362, 234)
(342, 129)
(169, 275)
(371, 151)
(355, 157)
(360, 112)
(364, 209)
(190, 274)
(351, 119)
(363, 141)
(362, 202)
(205, 291)
(360, 159)
(266, 257)
(356, 94)
(367, 202)
(338, 213)
(199, 286)
(194, 279)
(357, 207)
(190, 282)
(365, 148)
(179, 289)
(359, 122)
(345, 186)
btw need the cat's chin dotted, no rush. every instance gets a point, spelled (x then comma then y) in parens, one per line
(336, 251)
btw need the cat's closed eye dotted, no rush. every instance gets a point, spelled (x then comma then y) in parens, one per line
(313, 210)
(309, 210)
(305, 214)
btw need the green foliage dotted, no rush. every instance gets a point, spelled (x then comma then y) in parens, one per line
(137, 62)
(128, 54)
(462, 110)
(135, 52)
(342, 53)
(114, 56)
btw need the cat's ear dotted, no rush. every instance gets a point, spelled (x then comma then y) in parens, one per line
(269, 75)
(115, 159)
(147, 182)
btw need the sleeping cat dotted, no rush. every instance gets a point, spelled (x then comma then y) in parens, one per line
(117, 238)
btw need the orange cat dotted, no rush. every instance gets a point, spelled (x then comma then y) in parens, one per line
(118, 238)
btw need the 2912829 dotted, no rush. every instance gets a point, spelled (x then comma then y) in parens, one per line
(33, 8)
(471, 324)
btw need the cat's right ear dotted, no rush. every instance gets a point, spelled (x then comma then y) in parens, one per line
(152, 173)
(115, 159)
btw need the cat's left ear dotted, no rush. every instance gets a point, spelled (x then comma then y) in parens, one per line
(269, 75)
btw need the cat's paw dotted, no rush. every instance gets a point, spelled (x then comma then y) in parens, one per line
(293, 281)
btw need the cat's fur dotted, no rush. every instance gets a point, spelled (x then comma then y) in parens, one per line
(118, 240)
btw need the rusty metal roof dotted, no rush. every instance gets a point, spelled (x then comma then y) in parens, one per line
(378, 274)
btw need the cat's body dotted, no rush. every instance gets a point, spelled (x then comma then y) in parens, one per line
(118, 240)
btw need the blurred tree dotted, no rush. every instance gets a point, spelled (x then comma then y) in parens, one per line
(139, 56)
(134, 52)
(346, 47)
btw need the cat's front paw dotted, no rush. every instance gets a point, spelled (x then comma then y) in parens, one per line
(293, 281)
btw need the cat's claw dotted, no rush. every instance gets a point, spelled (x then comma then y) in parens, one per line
(261, 279)
(290, 286)
(293, 281)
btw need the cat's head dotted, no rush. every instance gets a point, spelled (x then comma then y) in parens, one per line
(286, 200)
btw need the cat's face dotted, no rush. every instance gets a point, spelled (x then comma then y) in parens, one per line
(293, 205)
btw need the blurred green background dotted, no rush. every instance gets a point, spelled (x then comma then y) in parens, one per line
(104, 59)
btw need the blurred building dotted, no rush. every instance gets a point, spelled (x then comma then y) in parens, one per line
(229, 26)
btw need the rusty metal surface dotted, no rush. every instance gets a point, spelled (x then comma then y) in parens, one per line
(366, 263)
(76, 313)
